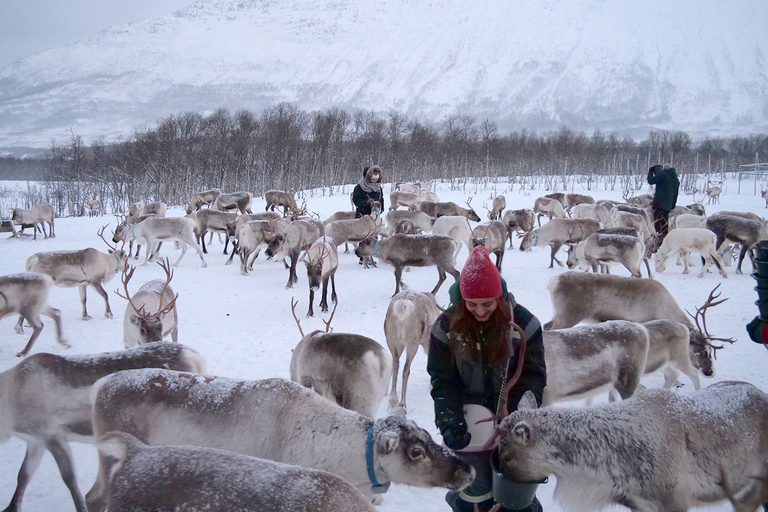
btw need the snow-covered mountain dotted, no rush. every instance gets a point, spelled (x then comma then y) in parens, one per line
(625, 66)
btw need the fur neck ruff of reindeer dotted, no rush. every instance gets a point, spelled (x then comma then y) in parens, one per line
(376, 487)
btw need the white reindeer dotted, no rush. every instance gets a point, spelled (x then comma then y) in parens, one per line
(159, 229)
(27, 295)
(407, 326)
(549, 207)
(600, 249)
(557, 233)
(45, 400)
(145, 478)
(658, 452)
(322, 261)
(407, 199)
(688, 240)
(151, 312)
(456, 227)
(273, 419)
(421, 220)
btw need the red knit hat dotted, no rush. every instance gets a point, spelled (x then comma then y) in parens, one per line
(479, 278)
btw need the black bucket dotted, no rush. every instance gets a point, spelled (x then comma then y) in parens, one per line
(761, 267)
(763, 307)
(509, 493)
(761, 250)
(762, 282)
(762, 294)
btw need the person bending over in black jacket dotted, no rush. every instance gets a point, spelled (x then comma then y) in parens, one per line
(665, 197)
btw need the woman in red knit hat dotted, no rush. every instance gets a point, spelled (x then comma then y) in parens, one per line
(472, 351)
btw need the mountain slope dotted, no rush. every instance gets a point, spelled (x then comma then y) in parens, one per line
(620, 66)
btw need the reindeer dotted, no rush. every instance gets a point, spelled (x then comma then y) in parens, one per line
(547, 206)
(233, 230)
(413, 250)
(642, 212)
(198, 199)
(213, 221)
(81, 268)
(45, 400)
(693, 209)
(685, 241)
(95, 208)
(641, 201)
(41, 214)
(158, 208)
(518, 220)
(713, 192)
(437, 209)
(557, 233)
(340, 215)
(157, 229)
(139, 220)
(493, 236)
(146, 318)
(348, 369)
(406, 227)
(625, 219)
(407, 199)
(602, 248)
(277, 198)
(145, 478)
(584, 297)
(746, 232)
(273, 419)
(668, 351)
(456, 227)
(135, 210)
(421, 220)
(571, 200)
(297, 237)
(353, 230)
(764, 194)
(407, 326)
(600, 212)
(252, 237)
(413, 188)
(27, 294)
(322, 260)
(240, 201)
(753, 496)
(671, 459)
(585, 360)
(499, 203)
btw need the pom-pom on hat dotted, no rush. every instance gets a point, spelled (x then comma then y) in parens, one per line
(479, 278)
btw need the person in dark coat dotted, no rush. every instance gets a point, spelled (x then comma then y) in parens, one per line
(472, 351)
(665, 197)
(367, 191)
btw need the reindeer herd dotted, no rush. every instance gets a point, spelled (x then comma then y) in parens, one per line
(314, 442)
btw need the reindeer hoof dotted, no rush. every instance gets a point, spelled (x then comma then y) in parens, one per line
(86, 317)
(19, 330)
(21, 354)
(108, 314)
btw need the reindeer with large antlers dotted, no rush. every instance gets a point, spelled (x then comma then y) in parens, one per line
(322, 260)
(349, 369)
(81, 268)
(151, 312)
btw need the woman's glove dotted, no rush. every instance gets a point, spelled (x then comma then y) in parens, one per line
(456, 436)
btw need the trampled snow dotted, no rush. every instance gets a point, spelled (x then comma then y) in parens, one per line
(244, 329)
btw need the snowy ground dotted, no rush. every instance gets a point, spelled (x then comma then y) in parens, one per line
(244, 328)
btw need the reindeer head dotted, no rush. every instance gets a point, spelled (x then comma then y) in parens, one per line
(149, 323)
(702, 350)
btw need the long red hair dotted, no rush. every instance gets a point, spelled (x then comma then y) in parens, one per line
(465, 333)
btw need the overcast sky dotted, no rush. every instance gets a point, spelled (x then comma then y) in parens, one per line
(31, 26)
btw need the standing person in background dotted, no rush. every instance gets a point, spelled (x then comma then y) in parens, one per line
(665, 197)
(472, 352)
(367, 191)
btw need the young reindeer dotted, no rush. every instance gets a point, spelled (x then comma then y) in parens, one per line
(322, 260)
(41, 214)
(159, 229)
(273, 419)
(685, 241)
(146, 478)
(402, 250)
(407, 326)
(27, 294)
(493, 236)
(600, 249)
(499, 203)
(350, 370)
(81, 268)
(45, 400)
(297, 237)
(549, 207)
(146, 318)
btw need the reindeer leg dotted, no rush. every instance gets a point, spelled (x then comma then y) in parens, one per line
(292, 277)
(37, 327)
(398, 277)
(95, 499)
(32, 458)
(409, 355)
(19, 328)
(56, 315)
(82, 288)
(311, 301)
(202, 240)
(101, 291)
(63, 456)
(440, 281)
(333, 289)
(324, 300)
(226, 243)
(196, 247)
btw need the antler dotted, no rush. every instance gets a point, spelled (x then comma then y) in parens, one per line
(125, 278)
(293, 312)
(101, 235)
(490, 212)
(330, 318)
(166, 266)
(302, 210)
(702, 311)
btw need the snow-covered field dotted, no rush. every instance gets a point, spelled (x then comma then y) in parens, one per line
(244, 328)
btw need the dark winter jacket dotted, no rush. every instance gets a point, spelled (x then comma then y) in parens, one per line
(457, 381)
(667, 185)
(366, 192)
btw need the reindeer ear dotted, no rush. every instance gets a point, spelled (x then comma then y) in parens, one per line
(387, 442)
(522, 433)
(528, 401)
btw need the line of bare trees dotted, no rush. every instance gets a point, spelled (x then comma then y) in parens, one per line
(287, 148)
